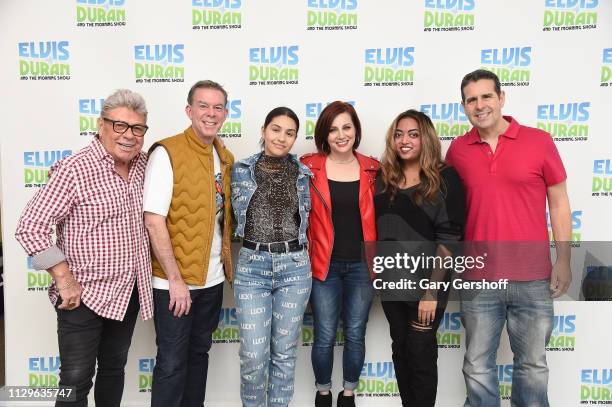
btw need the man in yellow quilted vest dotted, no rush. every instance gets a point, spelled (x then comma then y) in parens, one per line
(188, 216)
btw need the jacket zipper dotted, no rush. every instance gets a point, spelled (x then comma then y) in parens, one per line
(332, 226)
(226, 228)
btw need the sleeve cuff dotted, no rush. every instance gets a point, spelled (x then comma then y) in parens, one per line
(47, 258)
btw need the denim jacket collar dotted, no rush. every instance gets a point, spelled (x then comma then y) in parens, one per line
(252, 160)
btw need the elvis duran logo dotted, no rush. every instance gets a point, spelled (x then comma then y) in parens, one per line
(44, 60)
(602, 177)
(561, 15)
(331, 15)
(313, 110)
(449, 15)
(606, 67)
(576, 226)
(449, 332)
(100, 13)
(38, 280)
(563, 337)
(36, 166)
(145, 374)
(276, 65)
(43, 371)
(227, 330)
(595, 386)
(388, 66)
(565, 121)
(89, 111)
(511, 65)
(232, 127)
(216, 14)
(308, 331)
(377, 379)
(449, 119)
(504, 378)
(159, 63)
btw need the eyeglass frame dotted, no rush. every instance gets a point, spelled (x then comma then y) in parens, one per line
(129, 126)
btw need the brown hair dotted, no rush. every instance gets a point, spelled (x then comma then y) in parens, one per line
(478, 75)
(430, 159)
(205, 84)
(325, 120)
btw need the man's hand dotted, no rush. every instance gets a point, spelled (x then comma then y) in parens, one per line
(560, 278)
(180, 299)
(561, 224)
(69, 289)
(71, 296)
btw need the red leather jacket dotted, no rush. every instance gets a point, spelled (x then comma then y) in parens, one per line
(320, 228)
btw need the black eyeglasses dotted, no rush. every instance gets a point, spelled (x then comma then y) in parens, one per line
(120, 127)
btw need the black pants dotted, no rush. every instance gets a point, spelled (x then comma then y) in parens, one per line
(181, 367)
(84, 337)
(415, 353)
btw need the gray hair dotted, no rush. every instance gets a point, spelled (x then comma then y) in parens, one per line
(125, 98)
(205, 84)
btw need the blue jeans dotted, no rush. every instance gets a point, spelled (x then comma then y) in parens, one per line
(346, 292)
(528, 309)
(181, 367)
(271, 292)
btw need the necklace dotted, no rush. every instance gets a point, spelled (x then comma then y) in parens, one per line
(342, 162)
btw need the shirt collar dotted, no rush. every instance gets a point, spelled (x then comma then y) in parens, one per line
(252, 160)
(511, 132)
(98, 149)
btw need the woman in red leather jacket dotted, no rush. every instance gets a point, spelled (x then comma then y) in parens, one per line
(341, 219)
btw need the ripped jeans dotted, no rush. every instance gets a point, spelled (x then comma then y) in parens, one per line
(415, 352)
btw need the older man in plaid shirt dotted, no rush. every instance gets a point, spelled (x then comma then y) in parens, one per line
(100, 262)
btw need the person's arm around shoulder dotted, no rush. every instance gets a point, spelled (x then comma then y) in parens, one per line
(156, 203)
(454, 199)
(560, 220)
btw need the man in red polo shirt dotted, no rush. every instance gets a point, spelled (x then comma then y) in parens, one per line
(509, 172)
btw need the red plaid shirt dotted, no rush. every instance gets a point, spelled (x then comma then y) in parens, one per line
(99, 227)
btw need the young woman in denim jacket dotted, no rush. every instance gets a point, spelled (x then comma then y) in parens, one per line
(342, 218)
(271, 201)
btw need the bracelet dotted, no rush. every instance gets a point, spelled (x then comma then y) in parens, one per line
(67, 285)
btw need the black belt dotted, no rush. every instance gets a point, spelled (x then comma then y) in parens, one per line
(278, 247)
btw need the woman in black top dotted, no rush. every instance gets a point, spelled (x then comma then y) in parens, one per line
(418, 199)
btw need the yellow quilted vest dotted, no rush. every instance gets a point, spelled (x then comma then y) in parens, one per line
(191, 216)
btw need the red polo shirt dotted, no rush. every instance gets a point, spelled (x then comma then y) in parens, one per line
(506, 198)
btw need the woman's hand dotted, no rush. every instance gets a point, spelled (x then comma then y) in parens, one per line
(427, 309)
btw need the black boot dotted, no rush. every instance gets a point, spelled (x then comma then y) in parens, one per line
(323, 400)
(346, 401)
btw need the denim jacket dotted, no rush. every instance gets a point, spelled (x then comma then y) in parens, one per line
(244, 186)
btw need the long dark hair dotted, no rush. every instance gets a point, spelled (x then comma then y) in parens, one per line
(430, 159)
